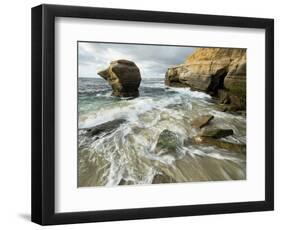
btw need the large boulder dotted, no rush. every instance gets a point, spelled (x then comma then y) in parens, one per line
(217, 71)
(124, 78)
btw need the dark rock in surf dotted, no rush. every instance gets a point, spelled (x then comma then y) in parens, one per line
(107, 127)
(162, 178)
(242, 113)
(93, 168)
(232, 147)
(167, 143)
(217, 133)
(201, 121)
(124, 78)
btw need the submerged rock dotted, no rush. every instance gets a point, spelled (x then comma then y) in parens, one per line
(232, 147)
(217, 133)
(167, 142)
(201, 121)
(223, 96)
(162, 178)
(124, 78)
(211, 70)
(107, 127)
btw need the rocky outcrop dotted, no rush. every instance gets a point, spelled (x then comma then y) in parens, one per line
(124, 77)
(220, 72)
(92, 169)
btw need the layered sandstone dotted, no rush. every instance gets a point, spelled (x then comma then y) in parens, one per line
(220, 72)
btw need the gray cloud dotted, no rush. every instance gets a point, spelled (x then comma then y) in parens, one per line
(153, 60)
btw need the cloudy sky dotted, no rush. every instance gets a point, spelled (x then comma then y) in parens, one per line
(152, 60)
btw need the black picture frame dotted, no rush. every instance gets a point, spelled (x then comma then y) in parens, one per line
(43, 114)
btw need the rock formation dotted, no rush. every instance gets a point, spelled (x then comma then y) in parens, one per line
(124, 78)
(220, 72)
(201, 121)
(217, 133)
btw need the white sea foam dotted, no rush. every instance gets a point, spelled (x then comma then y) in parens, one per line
(106, 94)
(130, 110)
(189, 92)
(131, 148)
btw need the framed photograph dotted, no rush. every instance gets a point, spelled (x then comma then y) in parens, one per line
(142, 114)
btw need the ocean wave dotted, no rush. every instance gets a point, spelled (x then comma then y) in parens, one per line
(105, 94)
(127, 109)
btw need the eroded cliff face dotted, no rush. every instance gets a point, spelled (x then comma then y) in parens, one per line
(220, 72)
(124, 78)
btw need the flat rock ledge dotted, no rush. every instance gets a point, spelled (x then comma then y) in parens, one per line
(233, 147)
(201, 121)
(217, 133)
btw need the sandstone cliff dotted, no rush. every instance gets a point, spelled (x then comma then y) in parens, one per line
(124, 78)
(220, 72)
